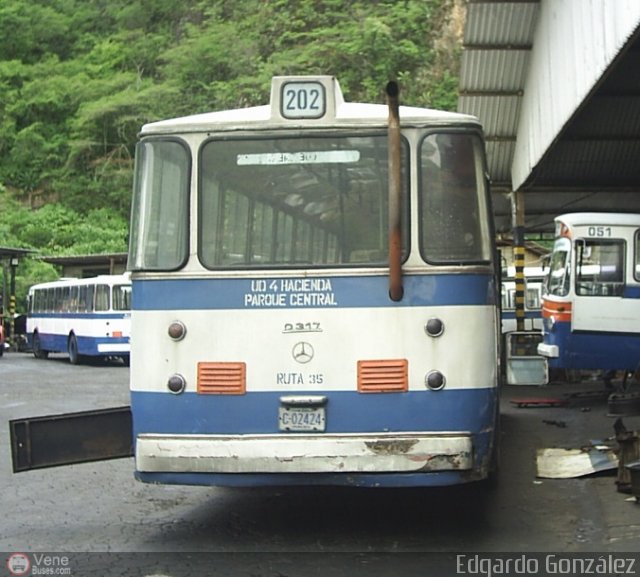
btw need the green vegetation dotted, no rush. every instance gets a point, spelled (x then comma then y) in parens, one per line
(78, 78)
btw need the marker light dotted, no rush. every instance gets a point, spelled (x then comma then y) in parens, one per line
(177, 330)
(435, 380)
(434, 327)
(176, 384)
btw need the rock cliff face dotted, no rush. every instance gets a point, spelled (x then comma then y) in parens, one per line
(449, 44)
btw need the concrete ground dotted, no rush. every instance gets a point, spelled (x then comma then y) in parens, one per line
(605, 518)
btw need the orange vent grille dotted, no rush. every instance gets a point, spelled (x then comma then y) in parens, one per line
(383, 376)
(222, 378)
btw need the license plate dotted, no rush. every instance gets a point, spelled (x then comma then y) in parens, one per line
(301, 418)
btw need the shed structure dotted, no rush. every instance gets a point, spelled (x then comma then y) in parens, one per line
(556, 84)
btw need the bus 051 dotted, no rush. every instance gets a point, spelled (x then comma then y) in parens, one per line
(591, 302)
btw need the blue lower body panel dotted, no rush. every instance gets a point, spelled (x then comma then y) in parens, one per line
(468, 413)
(382, 480)
(87, 346)
(593, 350)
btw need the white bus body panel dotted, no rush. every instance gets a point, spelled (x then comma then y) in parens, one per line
(383, 334)
(606, 314)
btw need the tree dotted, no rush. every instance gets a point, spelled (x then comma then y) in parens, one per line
(78, 78)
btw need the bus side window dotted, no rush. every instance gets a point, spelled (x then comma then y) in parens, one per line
(600, 268)
(121, 298)
(82, 300)
(91, 290)
(532, 298)
(59, 298)
(72, 303)
(85, 298)
(505, 303)
(102, 297)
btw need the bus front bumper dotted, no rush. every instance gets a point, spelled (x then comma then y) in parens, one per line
(304, 453)
(114, 348)
(549, 351)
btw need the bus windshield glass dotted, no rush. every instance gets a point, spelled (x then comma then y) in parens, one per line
(453, 203)
(159, 212)
(558, 279)
(303, 201)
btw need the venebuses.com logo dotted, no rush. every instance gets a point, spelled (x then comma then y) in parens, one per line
(20, 564)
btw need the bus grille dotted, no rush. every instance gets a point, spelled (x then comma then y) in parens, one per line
(383, 376)
(222, 378)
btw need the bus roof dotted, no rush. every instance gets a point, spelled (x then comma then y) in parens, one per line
(599, 218)
(335, 112)
(114, 279)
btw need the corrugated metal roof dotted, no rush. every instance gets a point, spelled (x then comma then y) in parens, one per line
(498, 37)
(499, 113)
(500, 22)
(556, 84)
(491, 70)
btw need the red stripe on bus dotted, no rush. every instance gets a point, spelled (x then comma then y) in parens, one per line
(560, 311)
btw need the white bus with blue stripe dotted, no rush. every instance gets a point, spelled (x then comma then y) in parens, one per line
(89, 317)
(591, 304)
(285, 330)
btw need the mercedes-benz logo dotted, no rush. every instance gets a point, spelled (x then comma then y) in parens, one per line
(302, 352)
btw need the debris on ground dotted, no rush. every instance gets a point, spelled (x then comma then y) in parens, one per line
(539, 402)
(561, 424)
(555, 463)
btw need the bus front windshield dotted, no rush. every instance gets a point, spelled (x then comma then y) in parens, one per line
(559, 277)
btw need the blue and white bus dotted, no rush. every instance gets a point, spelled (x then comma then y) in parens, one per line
(88, 317)
(591, 302)
(308, 306)
(533, 279)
